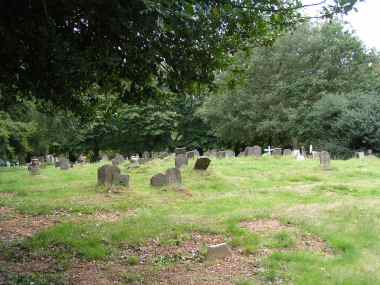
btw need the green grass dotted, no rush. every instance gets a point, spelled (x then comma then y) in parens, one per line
(342, 206)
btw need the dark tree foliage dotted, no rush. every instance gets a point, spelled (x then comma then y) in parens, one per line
(54, 50)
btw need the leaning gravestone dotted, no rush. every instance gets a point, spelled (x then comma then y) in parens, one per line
(181, 160)
(173, 176)
(158, 180)
(34, 167)
(64, 163)
(108, 175)
(287, 152)
(325, 160)
(202, 163)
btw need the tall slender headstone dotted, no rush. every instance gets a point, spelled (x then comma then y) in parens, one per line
(325, 160)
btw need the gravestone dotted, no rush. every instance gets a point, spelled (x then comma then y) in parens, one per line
(257, 151)
(300, 157)
(146, 155)
(212, 152)
(181, 160)
(325, 160)
(221, 154)
(158, 180)
(64, 163)
(190, 154)
(34, 166)
(82, 159)
(249, 151)
(50, 159)
(118, 159)
(277, 152)
(180, 150)
(230, 154)
(124, 180)
(218, 251)
(173, 176)
(360, 154)
(369, 152)
(108, 175)
(287, 152)
(105, 157)
(202, 163)
(315, 154)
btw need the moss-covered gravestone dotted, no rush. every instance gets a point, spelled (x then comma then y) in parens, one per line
(109, 175)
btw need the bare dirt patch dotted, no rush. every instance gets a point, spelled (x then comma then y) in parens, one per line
(89, 273)
(260, 226)
(20, 226)
(182, 264)
(313, 243)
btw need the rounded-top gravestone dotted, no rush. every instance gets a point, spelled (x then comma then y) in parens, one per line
(34, 166)
(158, 180)
(202, 163)
(108, 175)
(64, 163)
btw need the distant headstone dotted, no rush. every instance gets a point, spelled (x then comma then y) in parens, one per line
(249, 151)
(325, 160)
(360, 154)
(173, 176)
(50, 159)
(277, 152)
(158, 180)
(229, 154)
(146, 155)
(34, 166)
(202, 163)
(108, 175)
(315, 154)
(300, 157)
(64, 163)
(180, 150)
(221, 154)
(369, 152)
(124, 180)
(190, 154)
(105, 157)
(287, 152)
(118, 159)
(212, 152)
(181, 160)
(257, 151)
(82, 159)
(163, 154)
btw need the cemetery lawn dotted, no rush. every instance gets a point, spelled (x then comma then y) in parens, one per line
(287, 222)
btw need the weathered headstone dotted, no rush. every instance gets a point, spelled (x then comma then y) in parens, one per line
(257, 151)
(181, 160)
(221, 154)
(249, 151)
(104, 157)
(124, 180)
(34, 167)
(315, 154)
(108, 175)
(118, 159)
(218, 251)
(158, 180)
(64, 163)
(369, 152)
(146, 155)
(190, 154)
(325, 160)
(173, 176)
(82, 159)
(287, 152)
(180, 150)
(277, 152)
(229, 154)
(360, 154)
(202, 163)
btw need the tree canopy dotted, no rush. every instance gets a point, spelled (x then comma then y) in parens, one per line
(278, 95)
(55, 50)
